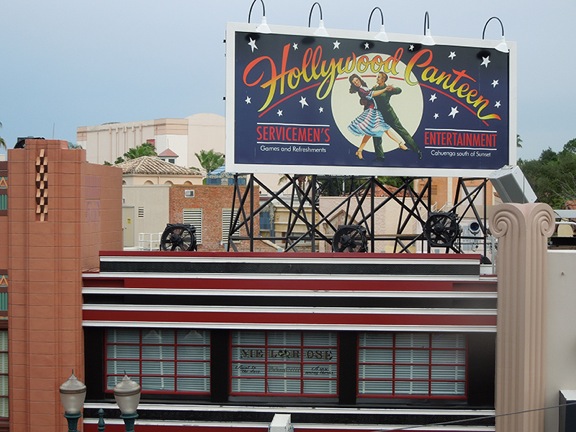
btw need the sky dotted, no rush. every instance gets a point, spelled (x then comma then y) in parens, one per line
(71, 63)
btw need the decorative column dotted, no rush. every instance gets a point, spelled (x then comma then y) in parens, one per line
(522, 231)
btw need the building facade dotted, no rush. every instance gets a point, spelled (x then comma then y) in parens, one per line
(61, 211)
(338, 341)
(180, 138)
(228, 340)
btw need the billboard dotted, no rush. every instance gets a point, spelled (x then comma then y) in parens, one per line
(348, 104)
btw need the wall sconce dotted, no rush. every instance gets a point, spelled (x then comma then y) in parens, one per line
(381, 35)
(502, 46)
(427, 40)
(263, 26)
(321, 30)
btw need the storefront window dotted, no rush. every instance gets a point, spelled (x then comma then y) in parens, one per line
(284, 363)
(397, 365)
(161, 360)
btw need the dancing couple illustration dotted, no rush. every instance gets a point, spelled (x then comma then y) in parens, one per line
(378, 117)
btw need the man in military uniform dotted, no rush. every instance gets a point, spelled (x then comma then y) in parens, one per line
(390, 117)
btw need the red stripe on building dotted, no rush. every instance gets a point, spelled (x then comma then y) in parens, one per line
(290, 284)
(247, 318)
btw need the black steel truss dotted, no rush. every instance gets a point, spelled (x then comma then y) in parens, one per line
(300, 195)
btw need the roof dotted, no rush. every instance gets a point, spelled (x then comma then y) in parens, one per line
(168, 153)
(153, 165)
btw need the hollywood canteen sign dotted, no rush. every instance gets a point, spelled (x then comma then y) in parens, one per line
(349, 104)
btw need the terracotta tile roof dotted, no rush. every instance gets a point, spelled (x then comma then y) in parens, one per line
(168, 153)
(153, 165)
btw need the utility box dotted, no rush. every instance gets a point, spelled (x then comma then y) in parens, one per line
(512, 186)
(567, 411)
(281, 423)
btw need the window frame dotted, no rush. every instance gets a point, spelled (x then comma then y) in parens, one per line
(431, 365)
(305, 365)
(177, 363)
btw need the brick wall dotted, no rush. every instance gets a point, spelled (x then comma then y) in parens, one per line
(212, 199)
(62, 212)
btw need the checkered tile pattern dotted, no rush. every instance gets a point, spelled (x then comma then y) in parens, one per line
(42, 186)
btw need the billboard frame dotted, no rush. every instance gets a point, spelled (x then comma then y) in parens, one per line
(233, 114)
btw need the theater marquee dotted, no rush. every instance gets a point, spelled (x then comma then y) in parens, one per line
(347, 104)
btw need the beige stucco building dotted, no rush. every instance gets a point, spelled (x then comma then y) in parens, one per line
(183, 136)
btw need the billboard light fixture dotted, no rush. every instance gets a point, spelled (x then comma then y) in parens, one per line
(321, 30)
(263, 26)
(502, 46)
(427, 40)
(381, 35)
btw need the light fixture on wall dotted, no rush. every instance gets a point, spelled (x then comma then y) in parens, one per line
(502, 45)
(381, 35)
(427, 40)
(321, 30)
(263, 26)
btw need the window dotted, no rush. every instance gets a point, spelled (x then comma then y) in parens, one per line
(284, 363)
(4, 373)
(226, 219)
(425, 365)
(265, 220)
(161, 360)
(194, 217)
(3, 200)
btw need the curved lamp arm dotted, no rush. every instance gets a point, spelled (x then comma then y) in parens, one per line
(382, 33)
(502, 45)
(427, 40)
(252, 6)
(321, 30)
(263, 26)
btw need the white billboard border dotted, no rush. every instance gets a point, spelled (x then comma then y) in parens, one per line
(349, 170)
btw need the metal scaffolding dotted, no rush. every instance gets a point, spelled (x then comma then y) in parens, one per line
(300, 195)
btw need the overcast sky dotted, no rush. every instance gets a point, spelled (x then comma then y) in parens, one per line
(71, 63)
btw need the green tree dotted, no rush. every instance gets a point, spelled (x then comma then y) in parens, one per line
(553, 175)
(145, 149)
(210, 159)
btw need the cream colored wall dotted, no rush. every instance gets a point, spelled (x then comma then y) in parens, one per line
(186, 137)
(560, 332)
(155, 202)
(386, 220)
(205, 132)
(148, 179)
(107, 142)
(385, 223)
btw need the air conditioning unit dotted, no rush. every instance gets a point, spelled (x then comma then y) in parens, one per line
(281, 423)
(512, 186)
